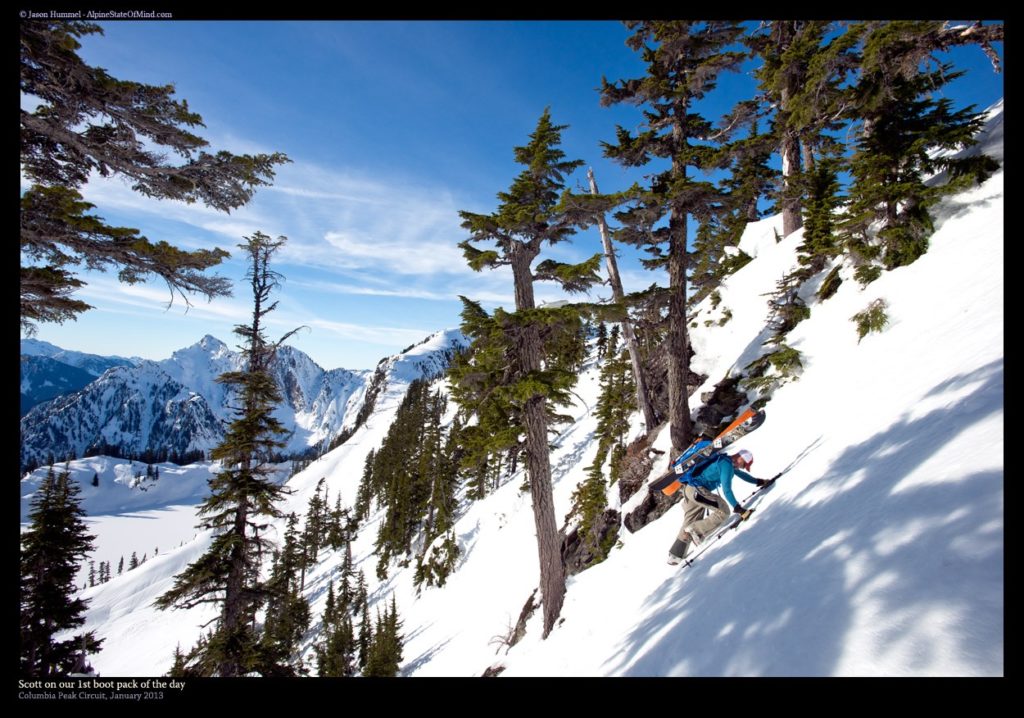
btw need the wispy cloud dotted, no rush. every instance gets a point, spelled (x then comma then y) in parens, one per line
(115, 194)
(372, 238)
(110, 293)
(378, 224)
(332, 218)
(385, 336)
(345, 288)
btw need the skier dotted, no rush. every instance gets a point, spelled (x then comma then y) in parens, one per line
(699, 497)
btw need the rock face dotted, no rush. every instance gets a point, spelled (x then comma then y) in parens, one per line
(581, 552)
(654, 505)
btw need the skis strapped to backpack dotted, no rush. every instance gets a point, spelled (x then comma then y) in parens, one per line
(701, 452)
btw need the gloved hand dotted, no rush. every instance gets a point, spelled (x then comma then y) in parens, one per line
(744, 513)
(765, 482)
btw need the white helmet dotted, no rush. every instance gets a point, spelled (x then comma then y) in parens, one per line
(748, 458)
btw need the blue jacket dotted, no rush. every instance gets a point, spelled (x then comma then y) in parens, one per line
(719, 473)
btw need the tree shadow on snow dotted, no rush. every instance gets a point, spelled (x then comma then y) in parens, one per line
(854, 561)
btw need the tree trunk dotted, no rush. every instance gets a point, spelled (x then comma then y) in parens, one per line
(789, 148)
(642, 401)
(678, 356)
(790, 151)
(538, 464)
(233, 615)
(807, 155)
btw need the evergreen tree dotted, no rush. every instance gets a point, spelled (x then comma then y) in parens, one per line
(287, 613)
(88, 121)
(133, 562)
(242, 493)
(749, 179)
(178, 668)
(602, 340)
(314, 532)
(347, 591)
(92, 574)
(330, 606)
(51, 548)
(336, 653)
(819, 243)
(365, 634)
(614, 407)
(799, 75)
(643, 397)
(438, 559)
(786, 308)
(683, 61)
(95, 479)
(338, 525)
(365, 492)
(411, 473)
(525, 220)
(360, 595)
(903, 125)
(474, 375)
(385, 654)
(120, 566)
(286, 619)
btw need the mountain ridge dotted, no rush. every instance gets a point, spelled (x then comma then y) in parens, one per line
(175, 406)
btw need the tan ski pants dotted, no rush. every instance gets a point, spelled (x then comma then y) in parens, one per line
(693, 509)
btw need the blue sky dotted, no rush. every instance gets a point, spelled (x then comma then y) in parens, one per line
(392, 128)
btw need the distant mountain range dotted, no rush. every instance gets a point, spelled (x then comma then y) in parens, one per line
(174, 409)
(47, 371)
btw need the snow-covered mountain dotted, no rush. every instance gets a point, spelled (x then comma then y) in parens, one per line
(47, 371)
(879, 552)
(176, 406)
(135, 409)
(317, 405)
(92, 363)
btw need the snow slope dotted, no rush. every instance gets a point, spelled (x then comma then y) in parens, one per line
(878, 553)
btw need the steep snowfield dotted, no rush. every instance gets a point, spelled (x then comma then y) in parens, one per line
(879, 552)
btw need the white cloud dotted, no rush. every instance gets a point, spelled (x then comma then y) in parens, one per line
(344, 288)
(386, 336)
(107, 294)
